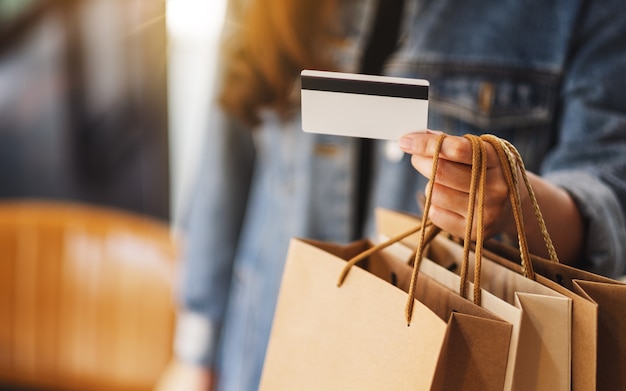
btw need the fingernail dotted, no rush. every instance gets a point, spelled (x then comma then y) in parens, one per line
(406, 143)
(433, 131)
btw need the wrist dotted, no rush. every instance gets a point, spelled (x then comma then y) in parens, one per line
(562, 218)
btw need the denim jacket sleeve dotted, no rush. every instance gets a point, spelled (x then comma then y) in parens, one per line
(212, 230)
(590, 156)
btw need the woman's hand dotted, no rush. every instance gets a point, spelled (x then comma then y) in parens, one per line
(451, 187)
(450, 197)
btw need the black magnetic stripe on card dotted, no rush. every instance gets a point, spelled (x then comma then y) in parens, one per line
(365, 87)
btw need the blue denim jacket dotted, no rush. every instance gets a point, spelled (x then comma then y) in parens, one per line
(547, 75)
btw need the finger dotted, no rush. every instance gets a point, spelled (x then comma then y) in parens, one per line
(449, 211)
(449, 199)
(458, 176)
(449, 207)
(448, 221)
(425, 144)
(453, 175)
(454, 148)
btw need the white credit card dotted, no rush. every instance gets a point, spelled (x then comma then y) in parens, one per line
(377, 107)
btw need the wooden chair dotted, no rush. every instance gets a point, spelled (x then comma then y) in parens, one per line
(85, 297)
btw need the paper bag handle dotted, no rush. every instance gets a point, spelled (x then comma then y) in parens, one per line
(477, 188)
(420, 246)
(511, 161)
(508, 153)
(374, 249)
(397, 238)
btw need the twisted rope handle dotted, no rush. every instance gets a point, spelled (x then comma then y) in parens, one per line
(430, 235)
(379, 247)
(408, 311)
(510, 174)
(511, 162)
(477, 188)
(533, 199)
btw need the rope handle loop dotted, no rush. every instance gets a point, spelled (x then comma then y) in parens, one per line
(374, 249)
(509, 168)
(477, 188)
(419, 254)
(516, 161)
(511, 162)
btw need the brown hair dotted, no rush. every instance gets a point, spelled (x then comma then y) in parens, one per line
(265, 54)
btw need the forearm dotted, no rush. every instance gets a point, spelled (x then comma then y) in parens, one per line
(563, 219)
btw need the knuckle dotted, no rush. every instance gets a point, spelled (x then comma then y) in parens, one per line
(460, 150)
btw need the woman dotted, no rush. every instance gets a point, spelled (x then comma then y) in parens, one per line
(545, 75)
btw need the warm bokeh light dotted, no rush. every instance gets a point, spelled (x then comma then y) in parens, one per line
(195, 18)
(193, 27)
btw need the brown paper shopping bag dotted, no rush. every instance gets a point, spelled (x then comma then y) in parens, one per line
(539, 355)
(478, 363)
(598, 318)
(355, 336)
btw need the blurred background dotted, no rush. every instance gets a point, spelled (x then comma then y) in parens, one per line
(103, 104)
